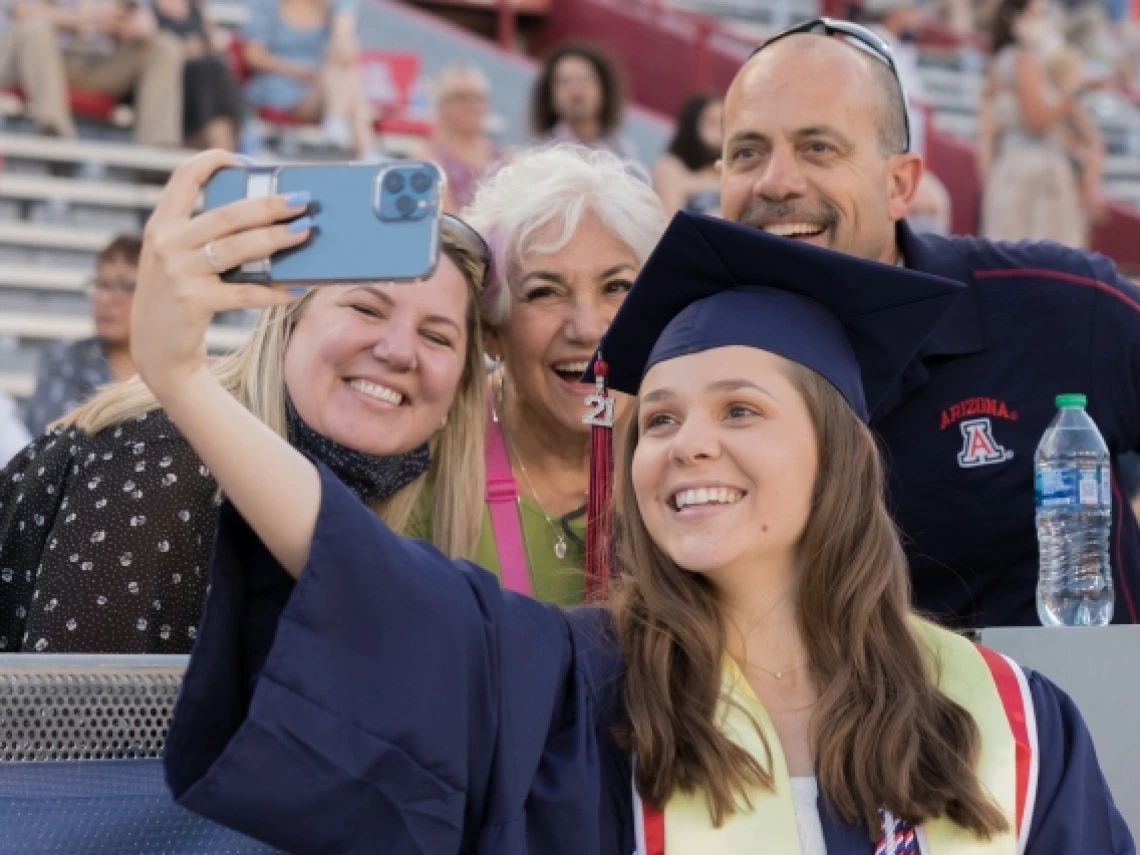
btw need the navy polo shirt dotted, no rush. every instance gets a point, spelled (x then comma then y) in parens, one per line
(960, 429)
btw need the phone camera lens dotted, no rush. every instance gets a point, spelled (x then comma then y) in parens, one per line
(405, 205)
(420, 182)
(394, 182)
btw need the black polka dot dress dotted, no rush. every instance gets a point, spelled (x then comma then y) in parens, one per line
(106, 541)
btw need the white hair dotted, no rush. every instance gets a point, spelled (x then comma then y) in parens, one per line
(558, 185)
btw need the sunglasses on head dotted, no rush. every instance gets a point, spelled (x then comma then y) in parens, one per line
(855, 35)
(471, 240)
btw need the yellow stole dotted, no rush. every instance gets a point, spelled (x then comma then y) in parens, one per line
(770, 827)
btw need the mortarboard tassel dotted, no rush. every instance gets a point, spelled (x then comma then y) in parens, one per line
(599, 517)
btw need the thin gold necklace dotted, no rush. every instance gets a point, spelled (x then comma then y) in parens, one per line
(779, 675)
(560, 546)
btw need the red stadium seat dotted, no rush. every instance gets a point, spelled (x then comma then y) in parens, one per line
(241, 72)
(85, 103)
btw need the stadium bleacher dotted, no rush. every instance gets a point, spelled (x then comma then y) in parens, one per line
(60, 202)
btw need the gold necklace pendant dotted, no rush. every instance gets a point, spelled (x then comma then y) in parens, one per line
(778, 675)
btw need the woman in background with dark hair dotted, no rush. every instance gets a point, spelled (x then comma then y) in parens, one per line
(684, 176)
(578, 97)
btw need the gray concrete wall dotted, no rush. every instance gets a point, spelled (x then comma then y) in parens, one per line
(1098, 668)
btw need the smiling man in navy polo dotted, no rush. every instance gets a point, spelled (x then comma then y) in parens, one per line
(816, 149)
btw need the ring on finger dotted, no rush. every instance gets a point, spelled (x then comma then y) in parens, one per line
(211, 259)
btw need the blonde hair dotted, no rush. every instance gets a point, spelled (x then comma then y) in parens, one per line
(255, 375)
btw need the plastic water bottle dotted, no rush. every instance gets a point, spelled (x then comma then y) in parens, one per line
(1074, 516)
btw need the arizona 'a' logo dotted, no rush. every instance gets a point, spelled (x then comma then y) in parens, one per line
(979, 448)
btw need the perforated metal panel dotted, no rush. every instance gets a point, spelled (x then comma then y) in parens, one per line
(80, 774)
(50, 711)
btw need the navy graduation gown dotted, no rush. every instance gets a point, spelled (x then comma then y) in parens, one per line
(395, 701)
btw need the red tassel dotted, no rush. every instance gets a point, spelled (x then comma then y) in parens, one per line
(599, 511)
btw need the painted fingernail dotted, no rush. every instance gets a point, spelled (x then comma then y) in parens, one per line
(298, 292)
(299, 199)
(301, 225)
(246, 159)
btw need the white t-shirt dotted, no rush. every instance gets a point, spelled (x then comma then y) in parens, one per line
(805, 792)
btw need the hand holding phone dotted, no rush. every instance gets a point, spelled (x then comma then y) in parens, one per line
(178, 289)
(370, 222)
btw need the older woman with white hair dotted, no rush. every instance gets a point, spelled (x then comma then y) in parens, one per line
(569, 229)
(460, 144)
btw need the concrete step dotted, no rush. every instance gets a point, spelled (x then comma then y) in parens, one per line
(71, 327)
(73, 190)
(130, 155)
(42, 278)
(54, 237)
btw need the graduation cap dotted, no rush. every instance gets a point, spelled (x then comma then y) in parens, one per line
(711, 283)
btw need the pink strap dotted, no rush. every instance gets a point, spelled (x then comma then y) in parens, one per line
(502, 494)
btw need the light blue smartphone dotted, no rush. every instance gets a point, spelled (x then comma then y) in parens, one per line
(371, 222)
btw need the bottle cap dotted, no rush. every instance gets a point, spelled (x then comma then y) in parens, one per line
(1071, 400)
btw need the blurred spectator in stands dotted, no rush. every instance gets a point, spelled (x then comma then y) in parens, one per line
(304, 60)
(211, 96)
(1083, 141)
(898, 22)
(69, 372)
(685, 175)
(107, 46)
(460, 144)
(578, 97)
(1033, 183)
(13, 435)
(112, 539)
(569, 229)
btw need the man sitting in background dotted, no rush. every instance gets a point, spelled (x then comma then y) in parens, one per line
(70, 371)
(108, 46)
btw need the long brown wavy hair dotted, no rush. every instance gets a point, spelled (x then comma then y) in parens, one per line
(884, 736)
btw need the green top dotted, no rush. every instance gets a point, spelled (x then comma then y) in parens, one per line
(1071, 400)
(553, 580)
